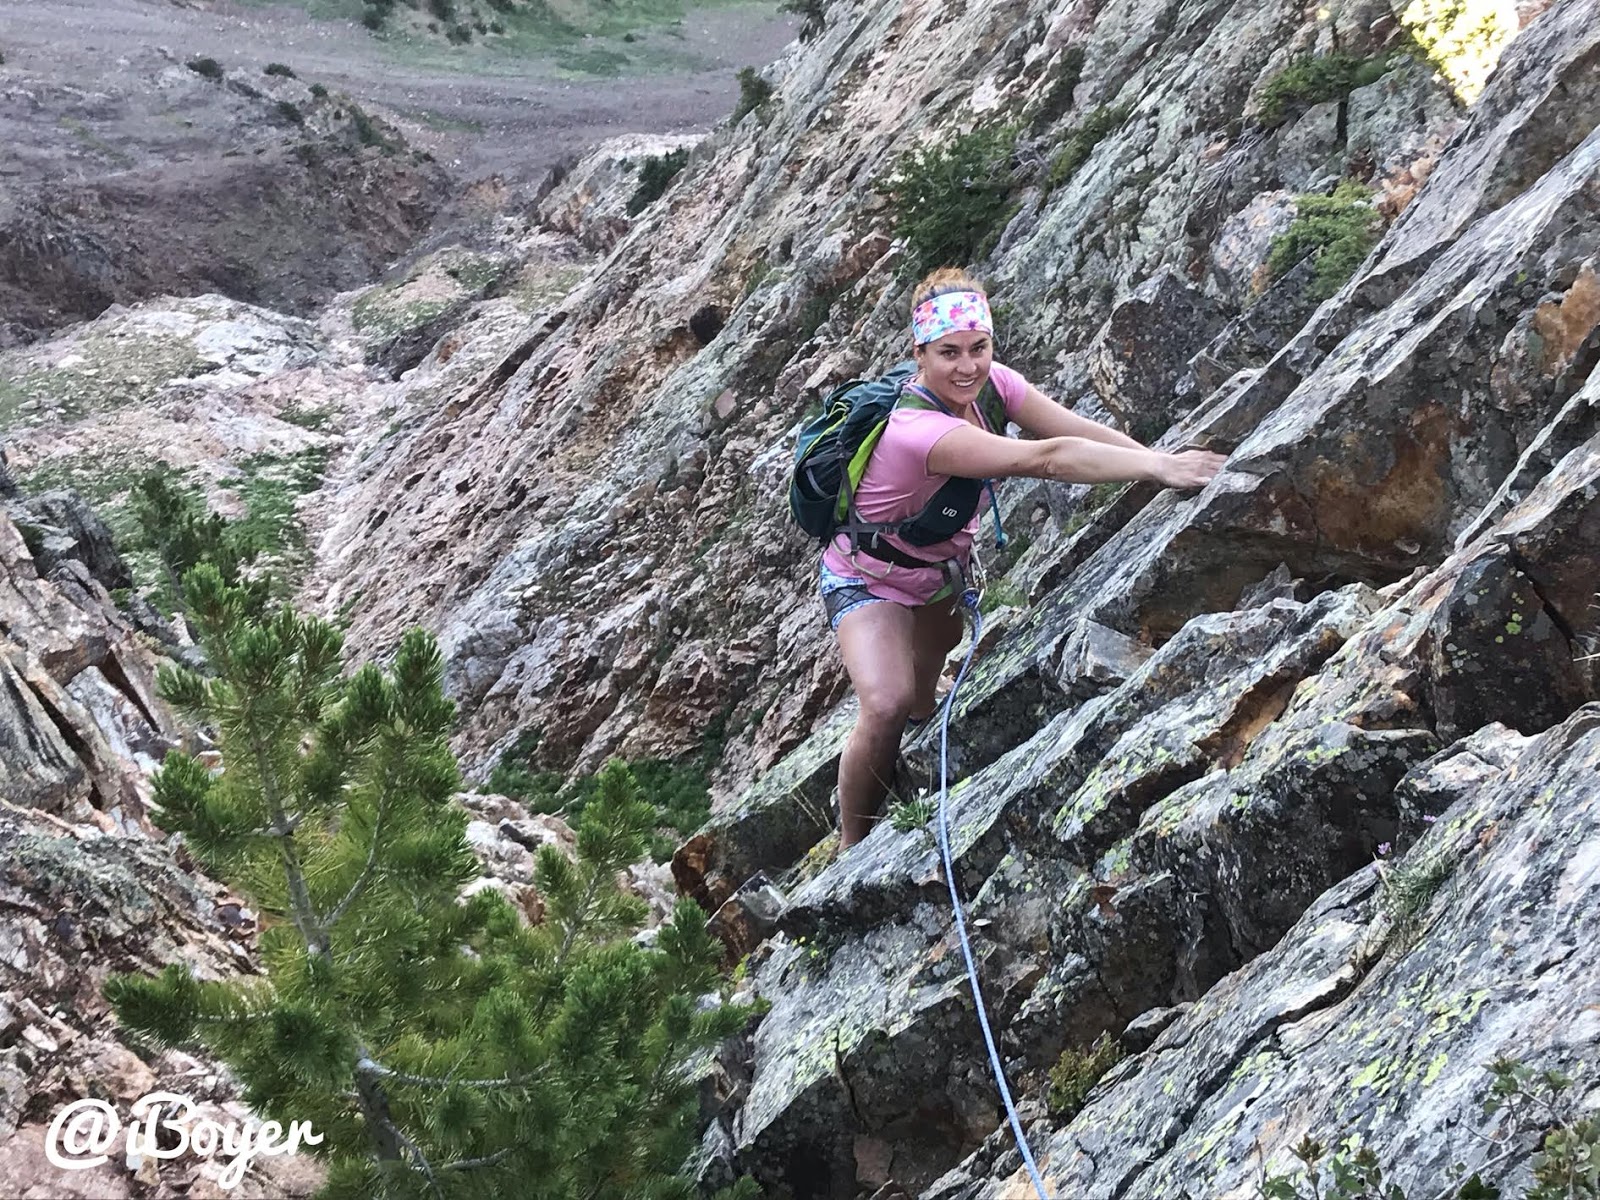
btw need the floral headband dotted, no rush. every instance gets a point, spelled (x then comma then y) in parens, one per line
(953, 312)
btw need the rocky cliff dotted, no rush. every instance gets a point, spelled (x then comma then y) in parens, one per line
(1287, 786)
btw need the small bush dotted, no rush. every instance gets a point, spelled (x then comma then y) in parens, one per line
(460, 34)
(754, 91)
(1408, 891)
(951, 197)
(680, 793)
(1533, 1103)
(907, 815)
(290, 112)
(1310, 81)
(1074, 1076)
(320, 92)
(366, 132)
(372, 18)
(445, 10)
(814, 13)
(276, 68)
(1353, 1172)
(208, 67)
(657, 172)
(1074, 151)
(1002, 593)
(1335, 231)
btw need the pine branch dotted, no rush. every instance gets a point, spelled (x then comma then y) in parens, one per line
(367, 872)
(579, 918)
(470, 1164)
(385, 1133)
(305, 913)
(441, 1081)
(422, 1163)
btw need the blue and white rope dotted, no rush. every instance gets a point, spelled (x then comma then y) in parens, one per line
(970, 599)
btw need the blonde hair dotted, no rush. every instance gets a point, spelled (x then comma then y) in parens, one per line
(942, 282)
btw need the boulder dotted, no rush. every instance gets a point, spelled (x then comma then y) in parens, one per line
(72, 531)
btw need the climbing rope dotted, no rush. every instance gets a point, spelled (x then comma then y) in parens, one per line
(969, 600)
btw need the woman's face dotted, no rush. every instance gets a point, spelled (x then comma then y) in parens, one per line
(955, 367)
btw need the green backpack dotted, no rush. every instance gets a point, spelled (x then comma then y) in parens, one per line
(831, 457)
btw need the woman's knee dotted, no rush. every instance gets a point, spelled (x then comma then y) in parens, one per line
(887, 702)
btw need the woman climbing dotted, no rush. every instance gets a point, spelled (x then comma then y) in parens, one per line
(896, 618)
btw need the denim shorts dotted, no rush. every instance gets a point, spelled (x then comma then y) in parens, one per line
(843, 594)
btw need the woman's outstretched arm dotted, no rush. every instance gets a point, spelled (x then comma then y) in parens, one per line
(971, 452)
(1043, 417)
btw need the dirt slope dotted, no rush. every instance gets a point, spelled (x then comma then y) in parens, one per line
(129, 175)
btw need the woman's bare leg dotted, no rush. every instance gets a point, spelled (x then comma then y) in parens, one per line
(936, 630)
(878, 645)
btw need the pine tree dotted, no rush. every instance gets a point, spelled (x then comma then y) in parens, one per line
(183, 533)
(443, 1049)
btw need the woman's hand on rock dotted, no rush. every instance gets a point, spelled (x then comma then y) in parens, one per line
(1188, 469)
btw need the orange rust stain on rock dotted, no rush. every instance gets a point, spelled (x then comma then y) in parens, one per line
(1257, 709)
(1410, 502)
(1564, 324)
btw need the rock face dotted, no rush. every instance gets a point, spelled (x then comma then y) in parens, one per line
(79, 716)
(1373, 1017)
(1197, 757)
(85, 886)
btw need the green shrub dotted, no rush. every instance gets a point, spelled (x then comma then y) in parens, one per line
(372, 18)
(460, 34)
(290, 112)
(208, 67)
(1002, 593)
(416, 1031)
(1336, 232)
(814, 13)
(654, 176)
(817, 308)
(679, 792)
(445, 10)
(1354, 1173)
(366, 132)
(320, 92)
(1314, 80)
(173, 521)
(1408, 891)
(1075, 1074)
(907, 815)
(1075, 149)
(952, 197)
(754, 91)
(277, 68)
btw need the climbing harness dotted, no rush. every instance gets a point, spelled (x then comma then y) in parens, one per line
(970, 596)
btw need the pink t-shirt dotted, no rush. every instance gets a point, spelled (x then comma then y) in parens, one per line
(898, 485)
